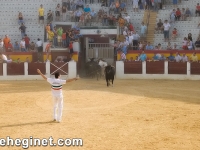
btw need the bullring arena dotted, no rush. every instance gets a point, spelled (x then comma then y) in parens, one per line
(154, 103)
(132, 115)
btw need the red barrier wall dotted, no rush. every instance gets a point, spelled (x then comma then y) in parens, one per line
(155, 67)
(32, 68)
(177, 68)
(134, 67)
(15, 69)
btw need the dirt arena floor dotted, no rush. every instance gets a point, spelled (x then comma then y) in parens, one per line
(132, 115)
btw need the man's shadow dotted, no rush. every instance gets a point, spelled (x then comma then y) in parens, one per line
(25, 124)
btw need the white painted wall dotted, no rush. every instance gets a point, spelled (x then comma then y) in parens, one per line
(94, 31)
(120, 73)
(72, 73)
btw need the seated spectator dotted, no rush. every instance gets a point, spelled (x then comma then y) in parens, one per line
(93, 15)
(137, 58)
(58, 12)
(169, 46)
(184, 58)
(159, 47)
(10, 47)
(104, 3)
(110, 19)
(197, 12)
(82, 19)
(178, 58)
(188, 14)
(171, 57)
(162, 58)
(141, 46)
(173, 16)
(130, 27)
(78, 14)
(194, 57)
(80, 4)
(197, 43)
(174, 46)
(23, 45)
(27, 60)
(155, 57)
(32, 46)
(189, 45)
(20, 18)
(105, 19)
(159, 26)
(131, 59)
(17, 61)
(9, 60)
(156, 48)
(149, 46)
(123, 6)
(174, 34)
(123, 56)
(178, 14)
(127, 18)
(16, 46)
(73, 5)
(183, 14)
(1, 45)
(87, 9)
(64, 13)
(117, 6)
(143, 56)
(184, 46)
(88, 19)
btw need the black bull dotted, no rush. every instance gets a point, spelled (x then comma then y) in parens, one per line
(109, 74)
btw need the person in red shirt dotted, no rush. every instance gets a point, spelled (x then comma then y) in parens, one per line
(131, 28)
(71, 49)
(178, 14)
(197, 10)
(64, 39)
(48, 50)
(10, 47)
(174, 34)
(27, 40)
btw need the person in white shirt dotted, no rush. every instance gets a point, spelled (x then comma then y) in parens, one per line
(127, 18)
(1, 45)
(135, 5)
(3, 57)
(23, 45)
(130, 40)
(166, 26)
(189, 45)
(56, 89)
(39, 45)
(184, 58)
(178, 58)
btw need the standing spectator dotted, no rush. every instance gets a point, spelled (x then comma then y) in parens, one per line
(41, 14)
(127, 18)
(6, 40)
(123, 56)
(197, 10)
(136, 38)
(174, 46)
(166, 26)
(59, 33)
(58, 10)
(27, 40)
(143, 31)
(173, 16)
(155, 5)
(183, 14)
(39, 45)
(130, 27)
(105, 19)
(185, 41)
(190, 36)
(112, 7)
(175, 2)
(23, 45)
(55, 40)
(171, 57)
(1, 45)
(78, 14)
(49, 17)
(20, 18)
(197, 43)
(117, 5)
(71, 49)
(64, 39)
(88, 19)
(16, 46)
(50, 35)
(80, 4)
(135, 5)
(169, 46)
(189, 44)
(64, 13)
(10, 47)
(22, 28)
(93, 15)
(121, 22)
(48, 50)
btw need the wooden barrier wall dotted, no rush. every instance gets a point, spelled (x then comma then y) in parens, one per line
(195, 68)
(134, 67)
(15, 69)
(1, 69)
(177, 68)
(155, 67)
(32, 68)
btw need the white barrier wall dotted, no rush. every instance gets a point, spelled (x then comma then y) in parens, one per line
(72, 73)
(120, 73)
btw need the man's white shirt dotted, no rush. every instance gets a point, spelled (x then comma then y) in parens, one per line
(56, 86)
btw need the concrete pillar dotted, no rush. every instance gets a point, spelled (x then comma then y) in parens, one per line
(188, 69)
(119, 69)
(72, 70)
(4, 69)
(26, 69)
(166, 67)
(48, 74)
(144, 67)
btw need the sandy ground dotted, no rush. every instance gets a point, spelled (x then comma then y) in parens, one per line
(132, 115)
